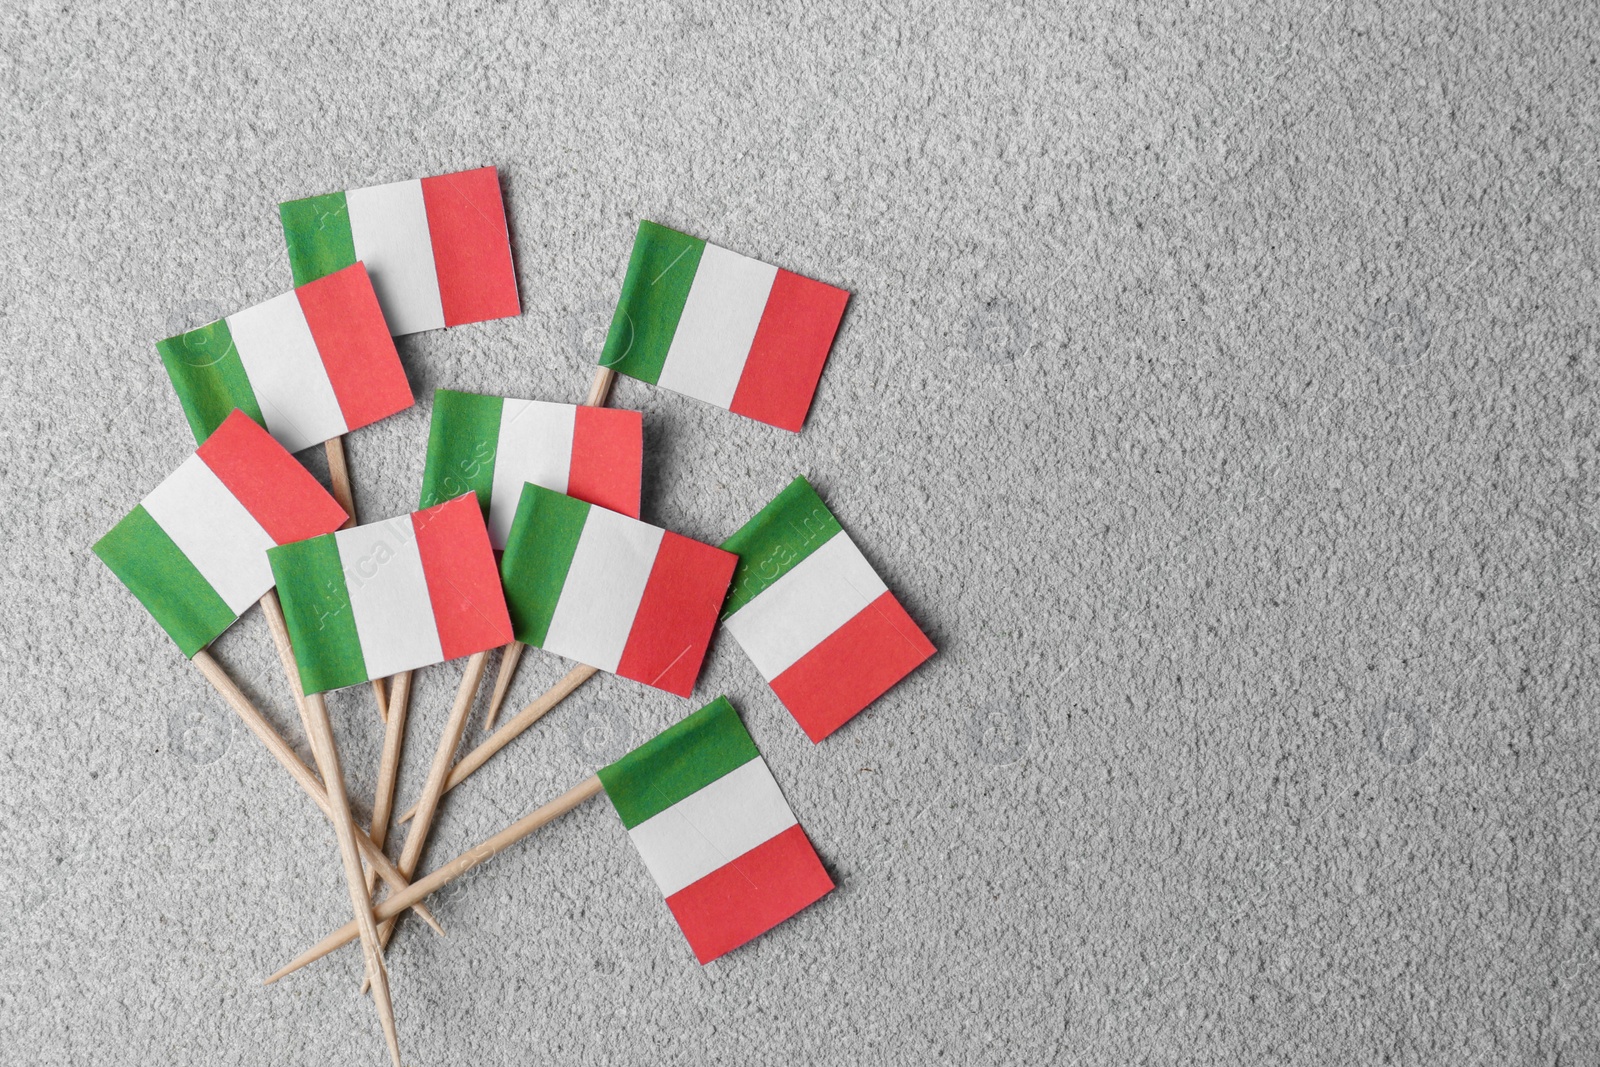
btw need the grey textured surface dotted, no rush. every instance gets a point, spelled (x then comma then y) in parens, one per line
(1219, 392)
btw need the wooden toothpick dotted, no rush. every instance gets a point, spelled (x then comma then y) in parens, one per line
(433, 788)
(394, 732)
(326, 752)
(511, 728)
(273, 610)
(257, 724)
(600, 387)
(463, 863)
(511, 655)
(339, 475)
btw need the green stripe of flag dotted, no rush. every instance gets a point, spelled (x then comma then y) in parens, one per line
(461, 447)
(660, 272)
(316, 607)
(783, 533)
(154, 568)
(317, 231)
(209, 377)
(544, 535)
(680, 760)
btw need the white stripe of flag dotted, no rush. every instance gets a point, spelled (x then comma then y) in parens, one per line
(389, 596)
(535, 445)
(209, 525)
(801, 609)
(720, 316)
(604, 586)
(389, 227)
(712, 827)
(286, 372)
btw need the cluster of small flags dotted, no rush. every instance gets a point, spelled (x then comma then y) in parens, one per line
(555, 489)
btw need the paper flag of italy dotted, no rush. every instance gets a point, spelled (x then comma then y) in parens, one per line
(813, 615)
(309, 365)
(437, 248)
(195, 550)
(491, 445)
(714, 831)
(391, 596)
(721, 327)
(611, 591)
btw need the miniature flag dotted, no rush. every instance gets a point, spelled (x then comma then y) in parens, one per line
(714, 831)
(721, 327)
(371, 601)
(309, 365)
(491, 445)
(195, 550)
(813, 615)
(611, 591)
(437, 247)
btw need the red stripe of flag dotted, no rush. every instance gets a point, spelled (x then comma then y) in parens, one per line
(278, 493)
(607, 454)
(791, 345)
(677, 613)
(852, 667)
(751, 895)
(469, 606)
(354, 343)
(471, 251)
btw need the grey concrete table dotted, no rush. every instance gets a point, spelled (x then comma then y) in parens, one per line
(1219, 391)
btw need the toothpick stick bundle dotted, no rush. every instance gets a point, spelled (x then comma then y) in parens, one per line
(340, 593)
(257, 724)
(280, 638)
(370, 846)
(449, 872)
(511, 728)
(433, 787)
(711, 825)
(327, 755)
